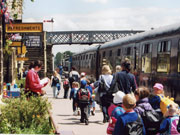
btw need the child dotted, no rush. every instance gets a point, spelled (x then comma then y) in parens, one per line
(115, 110)
(146, 111)
(169, 124)
(83, 99)
(75, 87)
(66, 87)
(129, 122)
(155, 99)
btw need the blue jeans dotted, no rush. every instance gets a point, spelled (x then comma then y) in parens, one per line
(55, 91)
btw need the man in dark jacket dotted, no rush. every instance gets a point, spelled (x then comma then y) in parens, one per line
(124, 80)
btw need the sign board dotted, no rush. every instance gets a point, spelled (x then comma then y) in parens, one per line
(15, 44)
(33, 41)
(22, 59)
(24, 27)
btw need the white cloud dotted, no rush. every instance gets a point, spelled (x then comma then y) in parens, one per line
(96, 1)
(113, 19)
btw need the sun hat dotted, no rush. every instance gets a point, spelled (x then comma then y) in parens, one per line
(118, 97)
(83, 74)
(158, 86)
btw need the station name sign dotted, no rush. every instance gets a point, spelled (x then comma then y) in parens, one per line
(24, 27)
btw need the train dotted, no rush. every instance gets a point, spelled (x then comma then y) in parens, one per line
(154, 57)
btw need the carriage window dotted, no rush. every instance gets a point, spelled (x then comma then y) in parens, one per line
(119, 52)
(110, 53)
(163, 57)
(104, 54)
(164, 46)
(147, 48)
(146, 58)
(127, 51)
(163, 63)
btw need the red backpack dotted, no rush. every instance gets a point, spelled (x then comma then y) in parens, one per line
(84, 95)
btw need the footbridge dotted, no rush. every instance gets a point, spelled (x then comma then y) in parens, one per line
(86, 37)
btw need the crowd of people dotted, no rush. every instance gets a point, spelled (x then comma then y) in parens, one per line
(127, 108)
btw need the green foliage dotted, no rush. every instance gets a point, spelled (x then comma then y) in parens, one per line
(59, 56)
(68, 53)
(22, 116)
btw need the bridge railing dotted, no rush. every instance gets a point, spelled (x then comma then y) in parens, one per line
(86, 37)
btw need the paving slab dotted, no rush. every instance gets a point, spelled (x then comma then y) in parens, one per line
(69, 124)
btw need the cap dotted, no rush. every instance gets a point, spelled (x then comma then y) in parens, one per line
(83, 83)
(118, 97)
(83, 74)
(158, 86)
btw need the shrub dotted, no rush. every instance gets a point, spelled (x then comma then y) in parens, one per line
(22, 116)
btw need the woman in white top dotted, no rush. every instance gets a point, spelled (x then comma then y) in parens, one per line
(55, 83)
(105, 81)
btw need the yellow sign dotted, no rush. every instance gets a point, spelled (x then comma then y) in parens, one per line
(15, 44)
(22, 59)
(21, 50)
(24, 27)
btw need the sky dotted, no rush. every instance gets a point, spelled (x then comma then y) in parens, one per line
(76, 15)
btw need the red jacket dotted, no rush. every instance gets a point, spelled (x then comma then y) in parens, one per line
(33, 82)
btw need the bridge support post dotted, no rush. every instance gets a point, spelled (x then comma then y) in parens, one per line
(45, 56)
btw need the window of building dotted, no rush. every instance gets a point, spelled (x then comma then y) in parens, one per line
(163, 57)
(118, 52)
(104, 54)
(110, 53)
(86, 56)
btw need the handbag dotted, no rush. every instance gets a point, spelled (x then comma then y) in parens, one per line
(97, 96)
(58, 86)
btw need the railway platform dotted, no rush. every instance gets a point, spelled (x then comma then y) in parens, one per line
(66, 123)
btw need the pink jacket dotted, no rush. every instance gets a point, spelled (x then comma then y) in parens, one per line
(33, 82)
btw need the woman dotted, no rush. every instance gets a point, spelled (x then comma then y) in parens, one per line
(33, 84)
(105, 81)
(55, 83)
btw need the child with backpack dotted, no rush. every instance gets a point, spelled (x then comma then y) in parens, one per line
(159, 101)
(66, 87)
(129, 123)
(169, 124)
(150, 117)
(75, 87)
(83, 99)
(115, 110)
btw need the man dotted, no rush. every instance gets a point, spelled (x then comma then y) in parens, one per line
(73, 76)
(124, 80)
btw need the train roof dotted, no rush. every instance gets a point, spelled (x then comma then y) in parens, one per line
(144, 35)
(94, 48)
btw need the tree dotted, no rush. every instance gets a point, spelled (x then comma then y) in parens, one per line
(58, 58)
(67, 53)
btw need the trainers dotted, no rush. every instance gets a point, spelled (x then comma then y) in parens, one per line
(78, 113)
(93, 113)
(86, 122)
(82, 121)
